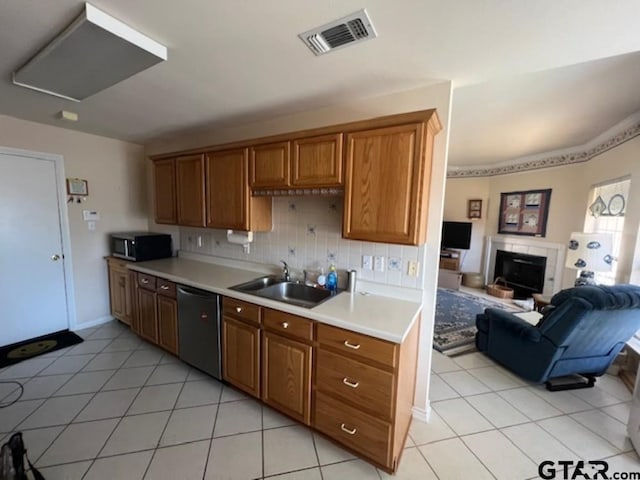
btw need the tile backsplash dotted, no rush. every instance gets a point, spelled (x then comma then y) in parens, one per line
(307, 235)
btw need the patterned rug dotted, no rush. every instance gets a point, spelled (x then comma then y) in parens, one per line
(455, 323)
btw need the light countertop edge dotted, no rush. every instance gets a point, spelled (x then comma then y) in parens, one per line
(378, 316)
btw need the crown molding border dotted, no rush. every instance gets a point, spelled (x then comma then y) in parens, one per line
(615, 136)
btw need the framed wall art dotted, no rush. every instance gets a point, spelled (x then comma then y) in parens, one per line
(474, 208)
(524, 213)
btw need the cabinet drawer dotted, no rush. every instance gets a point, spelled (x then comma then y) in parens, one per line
(358, 345)
(166, 288)
(288, 324)
(241, 310)
(353, 428)
(147, 281)
(356, 383)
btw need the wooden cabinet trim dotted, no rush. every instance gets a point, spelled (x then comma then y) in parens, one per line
(429, 116)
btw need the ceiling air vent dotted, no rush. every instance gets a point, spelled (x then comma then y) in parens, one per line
(348, 30)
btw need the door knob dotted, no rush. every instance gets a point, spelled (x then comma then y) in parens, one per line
(55, 257)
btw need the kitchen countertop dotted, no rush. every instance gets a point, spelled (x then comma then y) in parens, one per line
(379, 316)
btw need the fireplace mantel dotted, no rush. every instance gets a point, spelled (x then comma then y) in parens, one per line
(554, 252)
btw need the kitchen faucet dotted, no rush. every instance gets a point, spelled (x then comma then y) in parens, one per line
(285, 272)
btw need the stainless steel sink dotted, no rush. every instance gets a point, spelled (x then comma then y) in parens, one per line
(292, 293)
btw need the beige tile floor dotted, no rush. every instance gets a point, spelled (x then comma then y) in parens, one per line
(114, 407)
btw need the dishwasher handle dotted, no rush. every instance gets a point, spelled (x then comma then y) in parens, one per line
(192, 292)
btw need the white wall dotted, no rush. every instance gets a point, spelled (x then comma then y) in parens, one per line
(115, 171)
(570, 185)
(432, 96)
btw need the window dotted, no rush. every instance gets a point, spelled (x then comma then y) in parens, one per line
(605, 214)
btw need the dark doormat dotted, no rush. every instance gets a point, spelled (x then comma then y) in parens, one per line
(33, 347)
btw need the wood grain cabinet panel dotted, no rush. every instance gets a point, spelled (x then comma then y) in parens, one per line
(165, 191)
(286, 376)
(133, 287)
(269, 165)
(241, 355)
(229, 203)
(190, 189)
(385, 185)
(317, 161)
(168, 323)
(120, 290)
(147, 312)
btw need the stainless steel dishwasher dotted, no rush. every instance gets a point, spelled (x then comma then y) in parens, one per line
(199, 329)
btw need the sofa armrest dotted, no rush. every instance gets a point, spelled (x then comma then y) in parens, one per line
(497, 319)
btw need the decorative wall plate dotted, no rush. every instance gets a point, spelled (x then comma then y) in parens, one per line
(616, 205)
(598, 207)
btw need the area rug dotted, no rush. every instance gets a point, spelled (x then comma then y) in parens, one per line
(455, 323)
(33, 347)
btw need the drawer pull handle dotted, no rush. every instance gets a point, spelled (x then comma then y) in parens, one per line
(285, 324)
(347, 430)
(164, 287)
(351, 345)
(144, 280)
(349, 383)
(238, 309)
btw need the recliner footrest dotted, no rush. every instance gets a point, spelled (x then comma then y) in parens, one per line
(570, 382)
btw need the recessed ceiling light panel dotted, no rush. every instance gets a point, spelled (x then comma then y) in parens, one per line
(93, 53)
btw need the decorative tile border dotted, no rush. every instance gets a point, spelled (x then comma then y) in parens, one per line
(578, 156)
(284, 192)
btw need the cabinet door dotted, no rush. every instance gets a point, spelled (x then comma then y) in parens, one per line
(383, 188)
(286, 376)
(165, 190)
(228, 189)
(168, 324)
(269, 165)
(117, 292)
(133, 292)
(317, 161)
(241, 355)
(190, 190)
(147, 315)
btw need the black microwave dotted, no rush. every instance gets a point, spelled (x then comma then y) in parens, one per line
(140, 246)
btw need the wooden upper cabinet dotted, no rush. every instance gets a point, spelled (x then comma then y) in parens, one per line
(190, 190)
(269, 165)
(317, 161)
(165, 190)
(229, 203)
(387, 184)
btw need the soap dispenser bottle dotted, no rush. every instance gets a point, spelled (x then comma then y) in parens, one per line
(332, 280)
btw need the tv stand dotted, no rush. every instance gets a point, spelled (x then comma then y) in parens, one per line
(450, 260)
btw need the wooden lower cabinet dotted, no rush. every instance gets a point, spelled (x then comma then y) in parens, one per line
(120, 290)
(147, 313)
(286, 376)
(135, 318)
(168, 323)
(241, 355)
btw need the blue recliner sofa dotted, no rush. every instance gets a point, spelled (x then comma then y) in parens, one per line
(581, 332)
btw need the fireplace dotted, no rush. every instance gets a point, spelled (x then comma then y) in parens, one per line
(524, 273)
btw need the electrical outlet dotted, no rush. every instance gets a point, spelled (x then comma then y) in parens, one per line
(199, 241)
(413, 268)
(378, 263)
(367, 262)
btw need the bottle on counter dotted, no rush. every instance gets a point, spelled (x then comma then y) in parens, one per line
(332, 280)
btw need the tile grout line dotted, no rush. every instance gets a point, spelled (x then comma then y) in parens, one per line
(215, 421)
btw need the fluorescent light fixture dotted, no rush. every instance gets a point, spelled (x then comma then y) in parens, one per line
(93, 53)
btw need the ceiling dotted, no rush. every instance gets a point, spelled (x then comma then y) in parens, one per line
(529, 77)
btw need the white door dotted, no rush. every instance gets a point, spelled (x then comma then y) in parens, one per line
(32, 278)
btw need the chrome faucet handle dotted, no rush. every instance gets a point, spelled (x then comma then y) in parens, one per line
(285, 271)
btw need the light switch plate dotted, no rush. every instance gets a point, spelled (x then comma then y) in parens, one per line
(413, 268)
(378, 263)
(367, 262)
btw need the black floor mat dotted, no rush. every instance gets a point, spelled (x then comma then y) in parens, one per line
(33, 347)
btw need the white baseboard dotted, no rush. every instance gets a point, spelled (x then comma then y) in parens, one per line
(422, 414)
(93, 323)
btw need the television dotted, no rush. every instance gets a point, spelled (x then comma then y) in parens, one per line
(456, 235)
